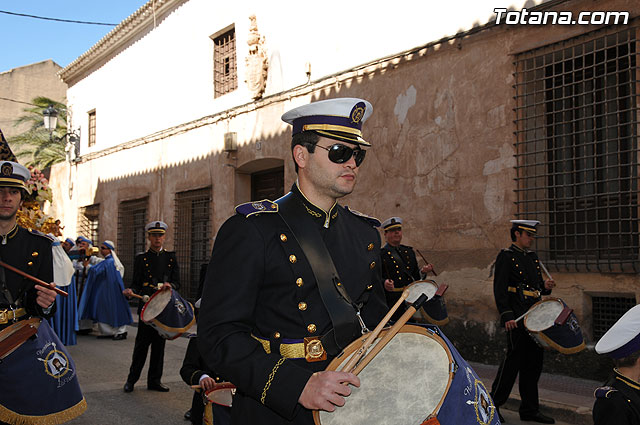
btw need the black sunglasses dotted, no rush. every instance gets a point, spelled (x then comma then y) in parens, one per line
(340, 154)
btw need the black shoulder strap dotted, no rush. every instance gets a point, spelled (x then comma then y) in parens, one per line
(341, 311)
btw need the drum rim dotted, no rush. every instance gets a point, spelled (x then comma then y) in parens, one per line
(144, 307)
(353, 346)
(547, 299)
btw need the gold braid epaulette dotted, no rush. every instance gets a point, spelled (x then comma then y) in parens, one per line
(271, 376)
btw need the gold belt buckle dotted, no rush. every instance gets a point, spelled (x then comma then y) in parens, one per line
(4, 317)
(313, 350)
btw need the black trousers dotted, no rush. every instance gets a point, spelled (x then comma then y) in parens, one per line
(524, 357)
(147, 336)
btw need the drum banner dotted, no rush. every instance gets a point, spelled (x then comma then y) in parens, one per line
(468, 401)
(40, 382)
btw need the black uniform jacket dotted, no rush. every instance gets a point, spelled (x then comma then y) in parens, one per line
(259, 282)
(399, 264)
(618, 403)
(151, 268)
(30, 252)
(520, 270)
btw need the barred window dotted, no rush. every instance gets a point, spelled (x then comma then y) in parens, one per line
(192, 236)
(225, 74)
(89, 223)
(92, 128)
(132, 217)
(577, 149)
(607, 310)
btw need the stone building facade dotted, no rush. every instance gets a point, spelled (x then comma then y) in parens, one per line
(20, 85)
(470, 129)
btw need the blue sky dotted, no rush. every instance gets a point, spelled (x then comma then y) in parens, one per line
(24, 40)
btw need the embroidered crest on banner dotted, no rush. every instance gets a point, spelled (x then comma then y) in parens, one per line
(56, 363)
(484, 406)
(180, 307)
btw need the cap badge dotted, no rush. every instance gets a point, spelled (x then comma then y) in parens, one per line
(357, 112)
(7, 169)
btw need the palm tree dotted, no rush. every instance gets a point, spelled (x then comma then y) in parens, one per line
(36, 145)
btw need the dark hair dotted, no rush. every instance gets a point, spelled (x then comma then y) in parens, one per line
(308, 139)
(513, 233)
(628, 361)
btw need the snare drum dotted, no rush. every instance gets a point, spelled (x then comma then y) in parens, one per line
(222, 394)
(417, 376)
(168, 313)
(554, 326)
(218, 402)
(434, 311)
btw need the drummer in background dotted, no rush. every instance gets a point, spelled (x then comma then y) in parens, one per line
(153, 270)
(264, 324)
(399, 264)
(618, 402)
(517, 285)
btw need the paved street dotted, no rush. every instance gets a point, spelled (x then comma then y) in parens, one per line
(102, 366)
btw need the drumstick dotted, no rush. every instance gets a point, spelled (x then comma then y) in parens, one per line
(525, 313)
(35, 279)
(390, 333)
(425, 260)
(545, 270)
(144, 298)
(374, 334)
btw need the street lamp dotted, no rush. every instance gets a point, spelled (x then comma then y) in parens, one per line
(50, 116)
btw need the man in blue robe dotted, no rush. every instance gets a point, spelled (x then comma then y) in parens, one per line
(102, 300)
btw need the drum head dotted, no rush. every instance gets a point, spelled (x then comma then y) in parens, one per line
(404, 384)
(543, 314)
(419, 287)
(155, 305)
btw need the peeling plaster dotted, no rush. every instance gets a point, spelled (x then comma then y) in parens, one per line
(404, 102)
(496, 171)
(505, 161)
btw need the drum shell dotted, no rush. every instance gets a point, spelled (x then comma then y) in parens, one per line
(565, 338)
(168, 313)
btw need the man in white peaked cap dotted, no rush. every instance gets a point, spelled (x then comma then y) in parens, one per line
(618, 402)
(273, 315)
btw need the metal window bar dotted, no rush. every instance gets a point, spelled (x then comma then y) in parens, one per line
(192, 237)
(606, 311)
(92, 128)
(577, 149)
(89, 222)
(225, 74)
(132, 217)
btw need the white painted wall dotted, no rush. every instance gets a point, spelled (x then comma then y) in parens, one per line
(166, 77)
